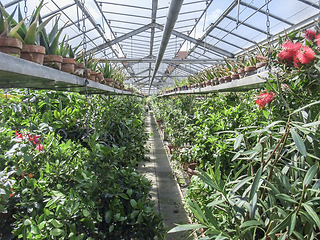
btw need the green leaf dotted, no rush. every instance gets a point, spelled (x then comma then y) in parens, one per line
(35, 229)
(133, 203)
(123, 195)
(283, 224)
(312, 213)
(250, 223)
(299, 142)
(108, 216)
(85, 212)
(255, 184)
(111, 228)
(310, 174)
(292, 224)
(56, 223)
(238, 141)
(56, 232)
(27, 222)
(286, 197)
(309, 105)
(186, 227)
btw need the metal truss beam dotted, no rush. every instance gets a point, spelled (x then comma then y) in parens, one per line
(183, 68)
(58, 10)
(79, 35)
(264, 12)
(124, 5)
(315, 5)
(247, 25)
(121, 38)
(234, 34)
(229, 43)
(169, 61)
(199, 42)
(9, 4)
(125, 14)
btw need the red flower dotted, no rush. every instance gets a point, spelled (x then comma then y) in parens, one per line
(264, 99)
(34, 139)
(306, 55)
(318, 39)
(11, 194)
(18, 135)
(289, 50)
(310, 34)
(22, 174)
(39, 147)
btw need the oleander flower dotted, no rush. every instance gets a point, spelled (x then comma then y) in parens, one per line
(39, 147)
(310, 34)
(34, 139)
(265, 98)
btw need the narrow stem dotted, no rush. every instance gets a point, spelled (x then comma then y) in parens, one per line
(300, 203)
(280, 93)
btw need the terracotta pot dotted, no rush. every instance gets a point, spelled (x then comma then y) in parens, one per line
(189, 87)
(170, 147)
(235, 76)
(250, 69)
(53, 61)
(260, 64)
(99, 77)
(221, 80)
(79, 69)
(33, 53)
(208, 83)
(11, 46)
(191, 170)
(109, 81)
(68, 65)
(121, 86)
(179, 88)
(241, 70)
(93, 75)
(227, 79)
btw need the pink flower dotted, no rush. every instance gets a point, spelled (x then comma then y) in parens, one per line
(318, 39)
(39, 147)
(289, 50)
(306, 55)
(310, 34)
(264, 99)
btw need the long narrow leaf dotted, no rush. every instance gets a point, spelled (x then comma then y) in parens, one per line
(299, 142)
(309, 105)
(283, 224)
(312, 213)
(186, 227)
(255, 183)
(310, 174)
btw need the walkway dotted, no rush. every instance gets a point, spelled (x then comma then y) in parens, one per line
(165, 191)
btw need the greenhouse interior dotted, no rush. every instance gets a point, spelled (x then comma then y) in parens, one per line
(192, 119)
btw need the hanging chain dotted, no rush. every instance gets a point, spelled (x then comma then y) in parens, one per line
(25, 9)
(85, 63)
(29, 110)
(268, 36)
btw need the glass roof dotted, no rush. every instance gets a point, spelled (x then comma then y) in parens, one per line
(129, 33)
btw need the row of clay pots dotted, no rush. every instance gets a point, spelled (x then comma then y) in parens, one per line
(215, 81)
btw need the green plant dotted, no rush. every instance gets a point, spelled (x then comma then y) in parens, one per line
(28, 33)
(50, 41)
(107, 70)
(5, 24)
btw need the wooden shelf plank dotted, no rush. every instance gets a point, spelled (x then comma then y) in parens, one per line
(19, 73)
(240, 85)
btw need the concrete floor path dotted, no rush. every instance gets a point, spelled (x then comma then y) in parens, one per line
(165, 191)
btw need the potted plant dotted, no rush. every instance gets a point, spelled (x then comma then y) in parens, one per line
(108, 73)
(250, 64)
(9, 44)
(261, 57)
(92, 64)
(79, 66)
(50, 42)
(68, 61)
(31, 51)
(233, 68)
(119, 77)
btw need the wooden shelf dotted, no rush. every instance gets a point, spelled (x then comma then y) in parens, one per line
(240, 85)
(19, 73)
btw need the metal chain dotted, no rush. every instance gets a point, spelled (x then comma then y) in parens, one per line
(85, 63)
(25, 8)
(268, 35)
